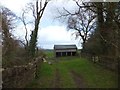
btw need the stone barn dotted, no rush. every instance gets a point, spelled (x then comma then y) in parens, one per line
(65, 50)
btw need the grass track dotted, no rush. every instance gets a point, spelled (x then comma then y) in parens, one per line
(93, 75)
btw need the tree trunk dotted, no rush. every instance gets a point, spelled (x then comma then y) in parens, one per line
(33, 40)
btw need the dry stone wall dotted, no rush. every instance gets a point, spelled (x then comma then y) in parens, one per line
(20, 76)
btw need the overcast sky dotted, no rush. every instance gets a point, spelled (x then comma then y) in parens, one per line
(51, 31)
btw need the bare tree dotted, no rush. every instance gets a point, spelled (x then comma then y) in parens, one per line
(37, 10)
(83, 24)
(82, 21)
(25, 22)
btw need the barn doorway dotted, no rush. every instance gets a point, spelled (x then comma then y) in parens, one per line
(69, 53)
(63, 53)
(58, 54)
(73, 53)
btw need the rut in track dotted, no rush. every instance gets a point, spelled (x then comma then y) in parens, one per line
(78, 79)
(57, 79)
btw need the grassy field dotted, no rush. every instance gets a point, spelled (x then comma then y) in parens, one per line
(73, 72)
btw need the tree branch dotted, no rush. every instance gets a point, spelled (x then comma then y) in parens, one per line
(25, 26)
(108, 41)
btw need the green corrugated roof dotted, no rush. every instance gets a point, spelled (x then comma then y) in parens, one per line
(65, 47)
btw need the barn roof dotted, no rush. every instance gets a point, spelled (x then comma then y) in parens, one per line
(65, 47)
